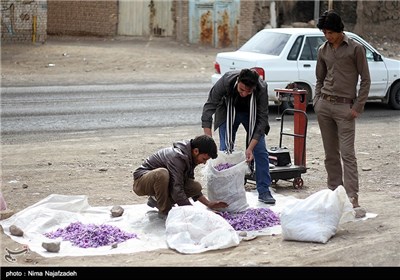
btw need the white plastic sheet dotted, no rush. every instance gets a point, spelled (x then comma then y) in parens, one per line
(58, 211)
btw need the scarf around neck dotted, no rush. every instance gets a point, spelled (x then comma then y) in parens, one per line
(230, 119)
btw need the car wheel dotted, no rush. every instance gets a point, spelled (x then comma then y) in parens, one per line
(394, 98)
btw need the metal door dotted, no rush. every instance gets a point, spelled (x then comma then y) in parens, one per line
(214, 23)
(145, 18)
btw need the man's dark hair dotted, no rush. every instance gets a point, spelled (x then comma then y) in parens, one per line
(330, 20)
(248, 77)
(206, 145)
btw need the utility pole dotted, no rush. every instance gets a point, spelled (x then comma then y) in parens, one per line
(316, 10)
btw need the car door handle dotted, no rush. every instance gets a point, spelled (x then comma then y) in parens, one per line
(306, 65)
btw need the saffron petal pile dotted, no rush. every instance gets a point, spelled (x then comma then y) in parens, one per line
(91, 235)
(223, 166)
(252, 219)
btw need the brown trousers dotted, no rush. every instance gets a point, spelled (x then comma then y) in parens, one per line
(156, 183)
(338, 136)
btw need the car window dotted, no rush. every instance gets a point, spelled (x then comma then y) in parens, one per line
(266, 43)
(295, 50)
(368, 53)
(311, 46)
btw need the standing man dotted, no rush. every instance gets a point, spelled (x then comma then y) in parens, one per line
(167, 176)
(240, 97)
(341, 62)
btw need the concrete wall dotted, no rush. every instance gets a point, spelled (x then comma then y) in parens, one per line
(23, 21)
(378, 18)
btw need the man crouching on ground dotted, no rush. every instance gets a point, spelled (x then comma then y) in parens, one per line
(167, 176)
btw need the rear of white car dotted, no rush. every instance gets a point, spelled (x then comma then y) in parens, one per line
(281, 75)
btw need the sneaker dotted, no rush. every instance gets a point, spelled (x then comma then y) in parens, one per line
(266, 198)
(152, 202)
(360, 212)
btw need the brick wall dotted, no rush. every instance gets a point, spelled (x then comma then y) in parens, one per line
(246, 26)
(23, 21)
(95, 18)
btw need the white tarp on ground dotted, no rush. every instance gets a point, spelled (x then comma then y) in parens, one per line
(58, 211)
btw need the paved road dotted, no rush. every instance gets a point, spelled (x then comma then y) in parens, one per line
(27, 111)
(85, 108)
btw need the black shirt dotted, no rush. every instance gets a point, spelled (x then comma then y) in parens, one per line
(242, 104)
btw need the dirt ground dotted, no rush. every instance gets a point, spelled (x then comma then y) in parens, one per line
(71, 166)
(119, 60)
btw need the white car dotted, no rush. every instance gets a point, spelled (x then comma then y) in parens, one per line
(289, 55)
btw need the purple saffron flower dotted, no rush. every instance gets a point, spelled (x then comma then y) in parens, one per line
(252, 219)
(223, 166)
(91, 235)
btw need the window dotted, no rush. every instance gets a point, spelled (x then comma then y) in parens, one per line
(294, 52)
(368, 53)
(311, 47)
(266, 43)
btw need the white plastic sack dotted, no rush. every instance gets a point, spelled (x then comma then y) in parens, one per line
(316, 218)
(193, 230)
(228, 184)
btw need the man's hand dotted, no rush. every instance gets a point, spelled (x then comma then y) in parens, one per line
(354, 113)
(249, 150)
(212, 204)
(217, 204)
(249, 155)
(207, 131)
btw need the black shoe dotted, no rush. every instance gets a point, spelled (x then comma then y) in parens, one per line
(152, 202)
(266, 198)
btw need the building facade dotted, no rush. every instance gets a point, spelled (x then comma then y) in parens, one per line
(217, 23)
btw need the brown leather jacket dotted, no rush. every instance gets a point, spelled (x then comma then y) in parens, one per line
(178, 161)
